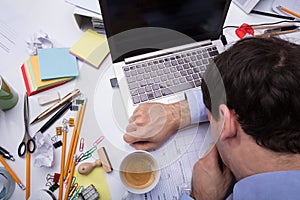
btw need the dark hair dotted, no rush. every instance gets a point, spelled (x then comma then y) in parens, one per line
(261, 77)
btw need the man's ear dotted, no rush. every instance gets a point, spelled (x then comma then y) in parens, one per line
(227, 122)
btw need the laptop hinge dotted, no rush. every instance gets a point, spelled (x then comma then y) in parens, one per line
(166, 51)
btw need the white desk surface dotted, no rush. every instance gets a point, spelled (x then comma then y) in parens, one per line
(56, 19)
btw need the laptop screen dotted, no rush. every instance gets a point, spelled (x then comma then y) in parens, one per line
(189, 20)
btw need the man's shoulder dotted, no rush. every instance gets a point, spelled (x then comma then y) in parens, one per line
(269, 185)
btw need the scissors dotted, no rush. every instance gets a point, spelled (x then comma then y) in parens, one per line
(28, 143)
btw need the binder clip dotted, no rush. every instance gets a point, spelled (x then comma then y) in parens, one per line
(58, 130)
(89, 193)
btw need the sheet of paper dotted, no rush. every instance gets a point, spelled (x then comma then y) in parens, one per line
(264, 6)
(91, 47)
(176, 177)
(91, 5)
(57, 63)
(13, 34)
(97, 178)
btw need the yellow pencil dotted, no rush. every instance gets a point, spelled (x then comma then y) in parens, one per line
(62, 165)
(71, 145)
(27, 175)
(12, 173)
(77, 128)
(72, 168)
(288, 11)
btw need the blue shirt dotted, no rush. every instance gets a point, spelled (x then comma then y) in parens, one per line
(281, 185)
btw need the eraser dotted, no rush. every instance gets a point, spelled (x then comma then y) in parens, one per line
(50, 98)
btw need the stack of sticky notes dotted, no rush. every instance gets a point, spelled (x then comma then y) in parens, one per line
(91, 47)
(50, 68)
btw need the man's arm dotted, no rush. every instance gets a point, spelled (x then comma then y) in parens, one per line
(209, 179)
(153, 123)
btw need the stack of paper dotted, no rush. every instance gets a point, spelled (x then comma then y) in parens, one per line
(50, 68)
(91, 47)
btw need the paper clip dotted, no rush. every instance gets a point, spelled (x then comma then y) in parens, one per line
(81, 145)
(73, 189)
(85, 156)
(78, 158)
(76, 194)
(98, 141)
(91, 150)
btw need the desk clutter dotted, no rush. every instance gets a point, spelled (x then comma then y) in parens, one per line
(67, 182)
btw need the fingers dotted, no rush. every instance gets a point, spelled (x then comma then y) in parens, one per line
(130, 138)
(144, 145)
(131, 127)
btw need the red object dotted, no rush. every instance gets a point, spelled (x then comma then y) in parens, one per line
(243, 30)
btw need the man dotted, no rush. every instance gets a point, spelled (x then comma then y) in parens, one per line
(257, 123)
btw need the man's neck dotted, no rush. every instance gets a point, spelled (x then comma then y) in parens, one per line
(269, 161)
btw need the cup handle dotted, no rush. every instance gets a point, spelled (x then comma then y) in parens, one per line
(128, 196)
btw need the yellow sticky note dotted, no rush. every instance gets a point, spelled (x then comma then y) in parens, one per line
(91, 47)
(98, 179)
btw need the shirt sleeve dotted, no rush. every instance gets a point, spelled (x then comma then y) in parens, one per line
(185, 197)
(197, 108)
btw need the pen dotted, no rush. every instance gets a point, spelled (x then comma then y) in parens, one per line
(12, 173)
(276, 33)
(6, 154)
(271, 15)
(51, 109)
(55, 117)
(288, 11)
(284, 28)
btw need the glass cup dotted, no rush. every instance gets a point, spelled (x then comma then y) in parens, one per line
(8, 96)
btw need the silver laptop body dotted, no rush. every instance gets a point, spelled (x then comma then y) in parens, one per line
(160, 49)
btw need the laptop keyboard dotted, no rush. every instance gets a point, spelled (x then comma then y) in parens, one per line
(160, 77)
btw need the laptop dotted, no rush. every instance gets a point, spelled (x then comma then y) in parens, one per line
(161, 48)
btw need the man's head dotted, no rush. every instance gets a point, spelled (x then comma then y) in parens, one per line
(261, 77)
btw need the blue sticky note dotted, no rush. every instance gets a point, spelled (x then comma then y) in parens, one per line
(57, 63)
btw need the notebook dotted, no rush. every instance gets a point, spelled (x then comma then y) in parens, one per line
(160, 49)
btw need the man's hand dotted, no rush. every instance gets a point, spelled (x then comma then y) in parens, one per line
(209, 181)
(153, 123)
